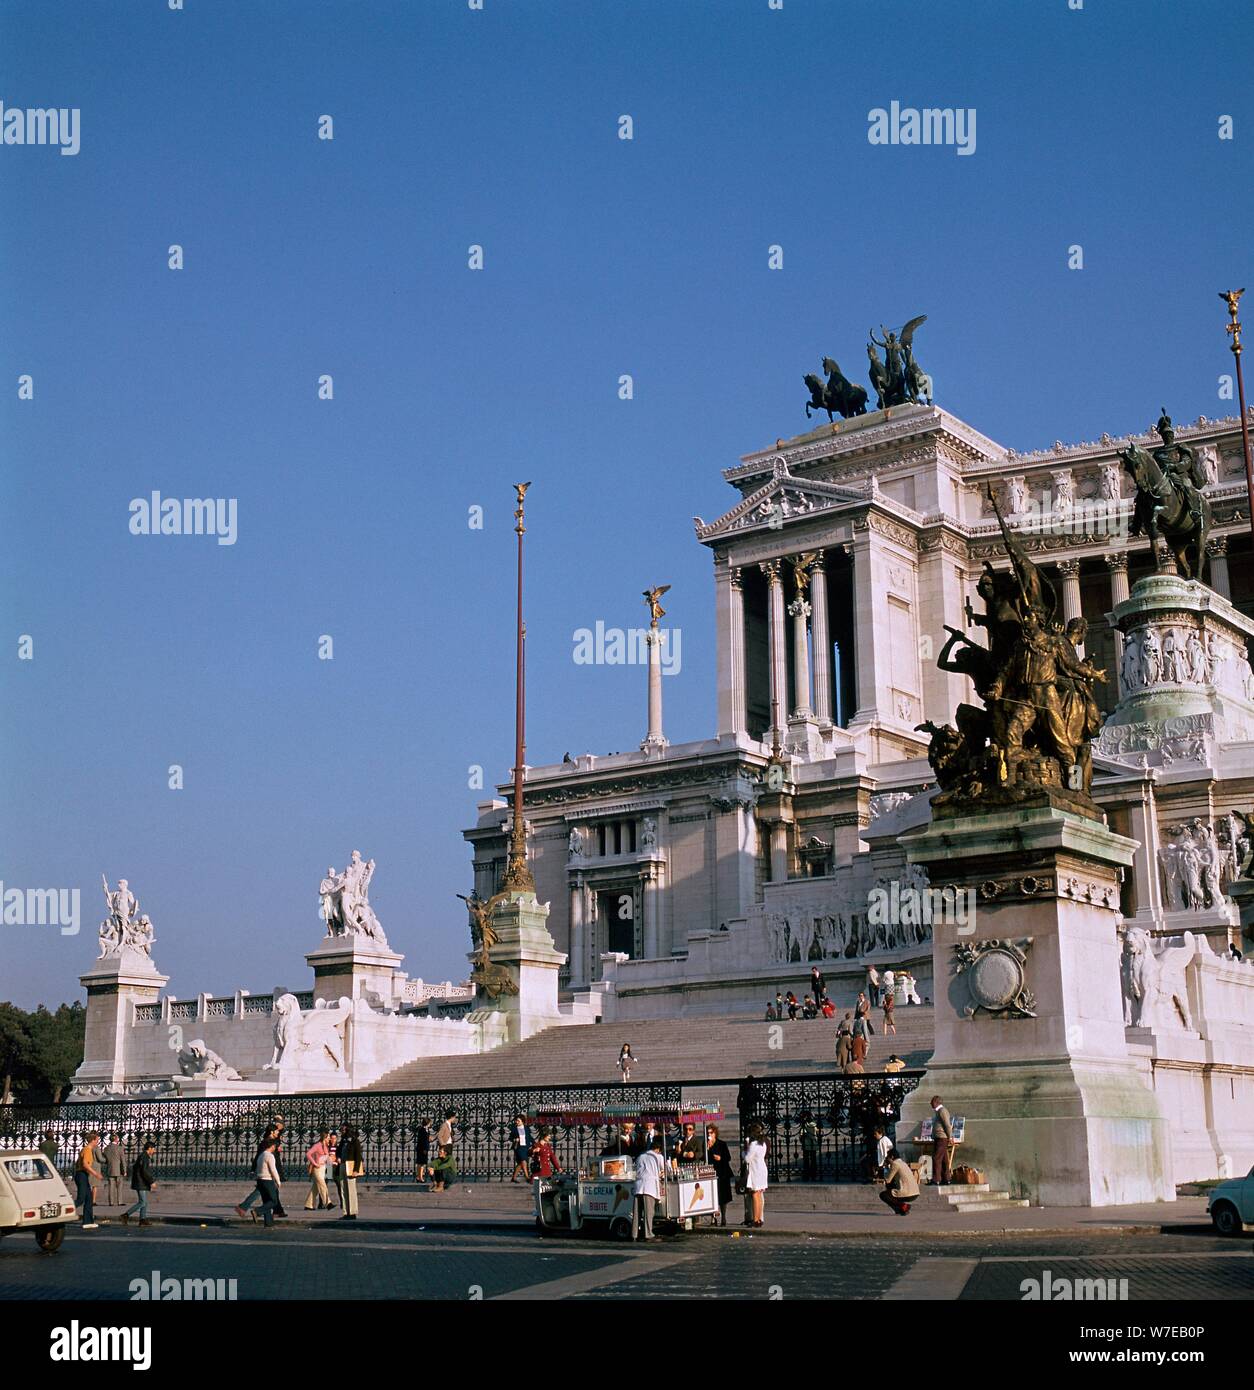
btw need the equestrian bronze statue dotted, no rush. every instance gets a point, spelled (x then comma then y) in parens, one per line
(1031, 739)
(1169, 500)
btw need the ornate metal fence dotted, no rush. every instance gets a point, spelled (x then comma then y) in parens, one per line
(822, 1128)
(216, 1140)
(819, 1128)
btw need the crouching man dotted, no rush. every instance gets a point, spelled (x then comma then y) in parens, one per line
(900, 1187)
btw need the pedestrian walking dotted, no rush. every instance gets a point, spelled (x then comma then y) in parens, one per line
(817, 983)
(87, 1179)
(143, 1182)
(522, 1150)
(316, 1161)
(718, 1155)
(113, 1162)
(269, 1138)
(873, 985)
(888, 982)
(889, 1007)
(543, 1156)
(352, 1166)
(755, 1173)
(647, 1192)
(268, 1182)
(942, 1142)
(862, 1009)
(844, 1040)
(900, 1187)
(626, 1060)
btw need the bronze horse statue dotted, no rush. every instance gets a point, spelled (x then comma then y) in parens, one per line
(838, 394)
(1166, 506)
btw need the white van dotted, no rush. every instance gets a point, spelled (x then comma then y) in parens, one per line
(33, 1198)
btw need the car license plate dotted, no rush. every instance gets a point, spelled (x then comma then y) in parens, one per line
(50, 1209)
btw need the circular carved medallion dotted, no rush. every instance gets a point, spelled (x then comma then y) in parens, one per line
(996, 980)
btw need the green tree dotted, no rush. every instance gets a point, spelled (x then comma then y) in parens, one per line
(55, 1048)
(14, 1048)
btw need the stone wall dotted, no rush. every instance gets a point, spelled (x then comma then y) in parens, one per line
(1196, 1049)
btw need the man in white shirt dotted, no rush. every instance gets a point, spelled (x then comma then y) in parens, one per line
(873, 985)
(650, 1167)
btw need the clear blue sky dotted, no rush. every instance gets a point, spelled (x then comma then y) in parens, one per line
(603, 257)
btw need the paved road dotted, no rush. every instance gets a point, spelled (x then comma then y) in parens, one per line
(337, 1264)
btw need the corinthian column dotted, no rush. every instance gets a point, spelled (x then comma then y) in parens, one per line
(822, 641)
(1117, 564)
(799, 609)
(779, 671)
(1217, 561)
(655, 740)
(578, 935)
(1071, 607)
(729, 602)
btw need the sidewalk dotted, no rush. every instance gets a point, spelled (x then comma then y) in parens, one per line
(789, 1211)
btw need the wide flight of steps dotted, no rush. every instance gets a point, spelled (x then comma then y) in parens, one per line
(715, 1047)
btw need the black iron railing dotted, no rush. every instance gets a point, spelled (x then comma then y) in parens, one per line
(822, 1128)
(216, 1140)
(818, 1128)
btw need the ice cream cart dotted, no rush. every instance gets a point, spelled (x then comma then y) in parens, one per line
(596, 1196)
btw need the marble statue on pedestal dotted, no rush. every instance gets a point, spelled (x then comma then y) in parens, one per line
(198, 1059)
(312, 1040)
(123, 929)
(345, 901)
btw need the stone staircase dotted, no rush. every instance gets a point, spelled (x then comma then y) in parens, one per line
(718, 1047)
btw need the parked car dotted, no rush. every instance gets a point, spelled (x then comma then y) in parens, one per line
(1231, 1205)
(33, 1198)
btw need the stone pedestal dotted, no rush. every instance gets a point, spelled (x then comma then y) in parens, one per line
(212, 1088)
(525, 948)
(353, 967)
(113, 985)
(1184, 678)
(1030, 1043)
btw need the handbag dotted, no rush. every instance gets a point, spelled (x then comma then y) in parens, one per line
(353, 1169)
(741, 1183)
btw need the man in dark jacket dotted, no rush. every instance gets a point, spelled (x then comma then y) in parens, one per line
(143, 1181)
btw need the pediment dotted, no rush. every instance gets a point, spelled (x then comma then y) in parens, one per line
(783, 498)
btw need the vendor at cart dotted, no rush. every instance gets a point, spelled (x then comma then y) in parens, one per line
(690, 1147)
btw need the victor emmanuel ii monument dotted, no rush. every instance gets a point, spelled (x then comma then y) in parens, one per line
(983, 716)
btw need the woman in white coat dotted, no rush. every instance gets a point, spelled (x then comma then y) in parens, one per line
(755, 1172)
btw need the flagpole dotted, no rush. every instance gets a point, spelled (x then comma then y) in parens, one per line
(517, 874)
(1230, 297)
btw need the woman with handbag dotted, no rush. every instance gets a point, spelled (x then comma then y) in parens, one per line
(352, 1167)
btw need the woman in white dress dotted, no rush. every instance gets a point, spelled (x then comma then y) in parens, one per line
(755, 1172)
